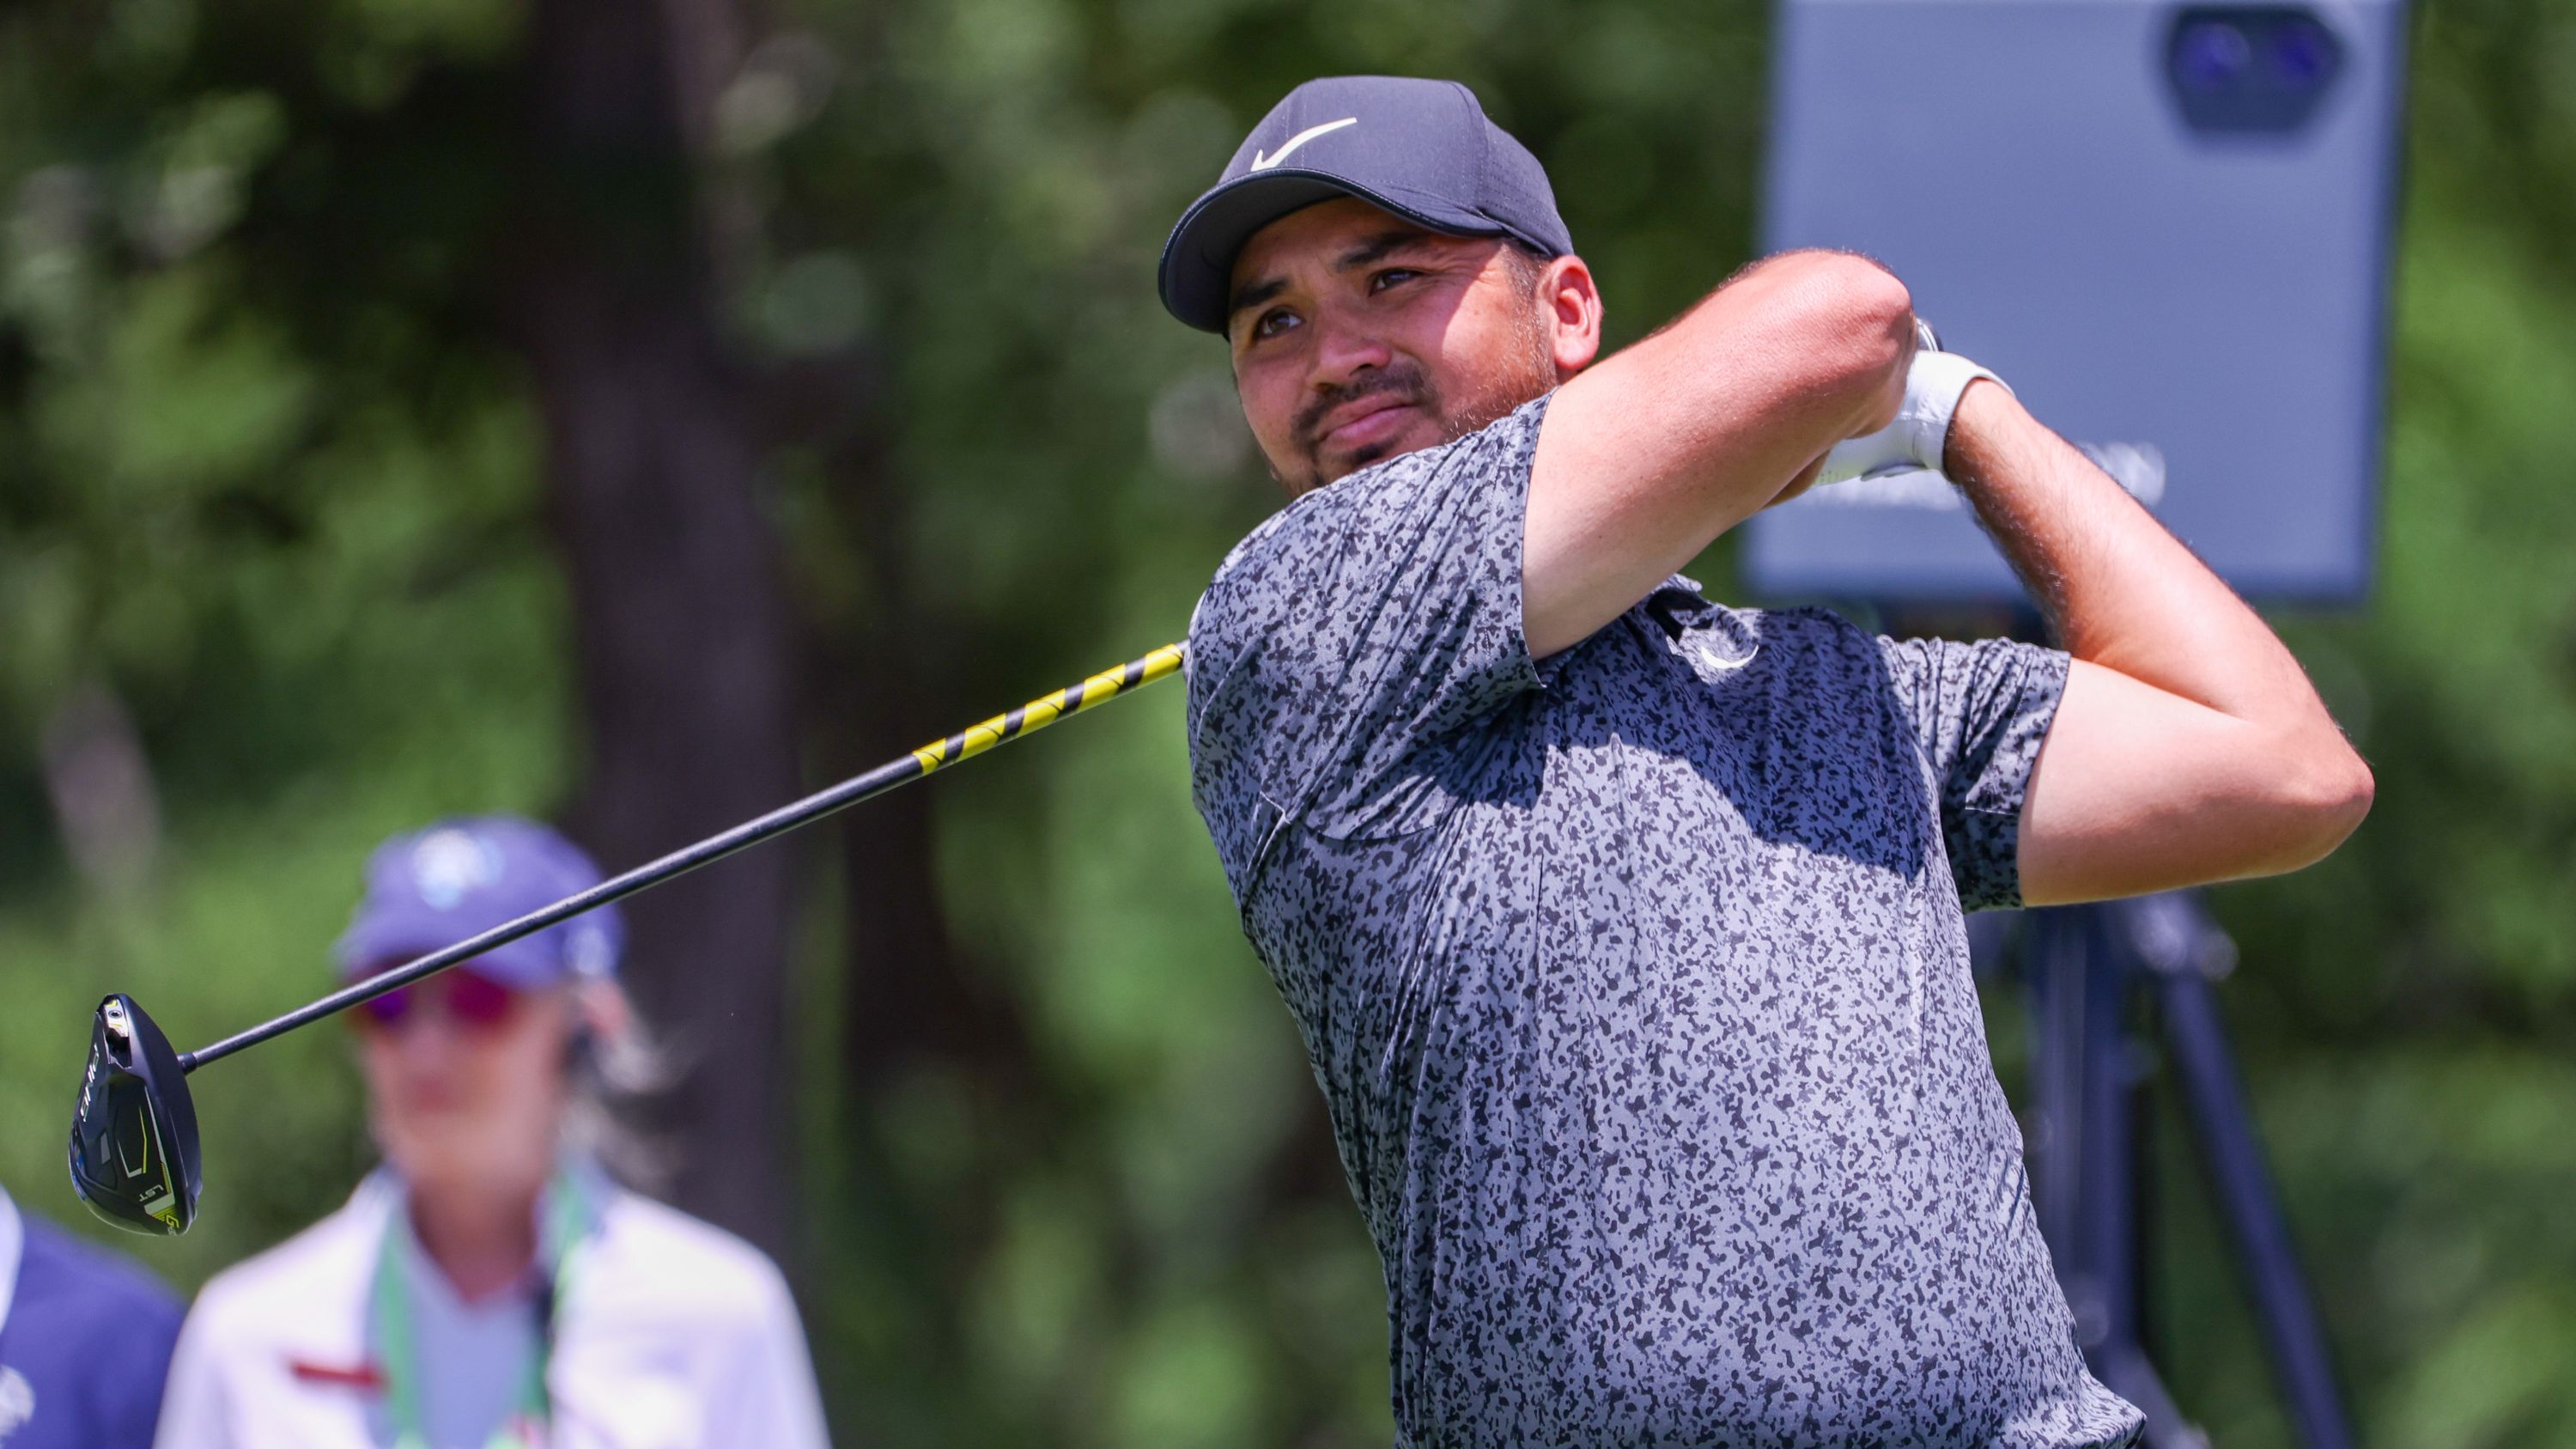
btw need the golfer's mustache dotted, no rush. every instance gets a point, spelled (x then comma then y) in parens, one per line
(1406, 380)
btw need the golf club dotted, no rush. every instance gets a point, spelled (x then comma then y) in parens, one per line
(134, 1157)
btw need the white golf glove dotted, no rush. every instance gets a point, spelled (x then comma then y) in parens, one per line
(1922, 426)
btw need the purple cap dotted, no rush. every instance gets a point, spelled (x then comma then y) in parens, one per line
(434, 887)
(1421, 149)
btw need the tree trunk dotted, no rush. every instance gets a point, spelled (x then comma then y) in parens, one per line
(685, 641)
(906, 995)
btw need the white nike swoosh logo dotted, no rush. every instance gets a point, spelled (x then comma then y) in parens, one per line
(1709, 658)
(1263, 161)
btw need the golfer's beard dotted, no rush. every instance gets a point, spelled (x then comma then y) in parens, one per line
(1529, 370)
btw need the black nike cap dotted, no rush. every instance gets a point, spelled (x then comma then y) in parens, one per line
(1420, 149)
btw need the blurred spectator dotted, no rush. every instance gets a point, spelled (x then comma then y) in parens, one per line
(84, 1341)
(491, 1286)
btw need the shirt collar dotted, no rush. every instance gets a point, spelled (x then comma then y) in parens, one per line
(13, 1241)
(1676, 599)
(381, 1199)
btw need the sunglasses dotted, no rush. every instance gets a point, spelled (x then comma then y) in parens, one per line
(469, 999)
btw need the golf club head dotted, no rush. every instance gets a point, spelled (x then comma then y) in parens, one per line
(134, 1134)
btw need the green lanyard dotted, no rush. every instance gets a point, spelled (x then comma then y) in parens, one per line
(567, 1219)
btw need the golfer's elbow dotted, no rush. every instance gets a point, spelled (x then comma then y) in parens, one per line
(1854, 323)
(2320, 795)
(2339, 797)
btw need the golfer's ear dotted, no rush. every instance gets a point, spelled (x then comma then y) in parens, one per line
(1573, 302)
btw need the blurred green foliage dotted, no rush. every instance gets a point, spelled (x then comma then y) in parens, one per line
(271, 487)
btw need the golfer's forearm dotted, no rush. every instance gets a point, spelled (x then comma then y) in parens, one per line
(1656, 451)
(2123, 592)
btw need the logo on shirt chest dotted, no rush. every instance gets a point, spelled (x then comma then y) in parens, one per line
(1710, 661)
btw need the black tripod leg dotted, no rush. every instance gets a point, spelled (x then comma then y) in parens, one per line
(2090, 1079)
(2214, 1102)
(2059, 984)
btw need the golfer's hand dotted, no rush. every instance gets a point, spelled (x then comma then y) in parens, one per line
(1916, 437)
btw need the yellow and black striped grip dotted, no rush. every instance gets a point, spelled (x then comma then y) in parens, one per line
(1037, 714)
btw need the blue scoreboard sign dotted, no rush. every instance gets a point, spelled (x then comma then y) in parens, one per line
(2166, 225)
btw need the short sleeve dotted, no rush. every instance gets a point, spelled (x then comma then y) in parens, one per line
(1980, 711)
(1371, 619)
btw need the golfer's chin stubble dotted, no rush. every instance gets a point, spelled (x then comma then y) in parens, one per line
(1430, 426)
(1423, 429)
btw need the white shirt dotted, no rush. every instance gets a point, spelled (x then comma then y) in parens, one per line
(17, 1400)
(13, 1240)
(673, 1335)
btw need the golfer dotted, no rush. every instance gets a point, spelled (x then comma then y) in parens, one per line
(491, 1287)
(1625, 928)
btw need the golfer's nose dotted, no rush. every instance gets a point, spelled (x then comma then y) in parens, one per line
(1344, 351)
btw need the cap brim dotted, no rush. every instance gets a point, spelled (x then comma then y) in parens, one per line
(526, 963)
(1198, 260)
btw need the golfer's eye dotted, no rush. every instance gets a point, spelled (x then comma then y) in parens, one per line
(1273, 322)
(1390, 277)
